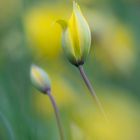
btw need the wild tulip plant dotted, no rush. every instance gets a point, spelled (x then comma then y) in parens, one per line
(41, 81)
(76, 43)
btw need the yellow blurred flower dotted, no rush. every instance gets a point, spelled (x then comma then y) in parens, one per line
(77, 133)
(114, 43)
(121, 112)
(42, 32)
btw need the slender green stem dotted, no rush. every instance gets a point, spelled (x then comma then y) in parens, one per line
(56, 111)
(8, 127)
(89, 86)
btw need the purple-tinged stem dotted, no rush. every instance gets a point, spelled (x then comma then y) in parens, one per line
(56, 111)
(89, 86)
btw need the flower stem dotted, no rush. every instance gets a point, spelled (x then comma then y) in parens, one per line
(7, 126)
(89, 86)
(56, 111)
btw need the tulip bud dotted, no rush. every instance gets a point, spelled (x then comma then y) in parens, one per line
(76, 37)
(40, 79)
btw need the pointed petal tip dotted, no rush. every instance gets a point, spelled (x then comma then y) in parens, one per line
(76, 7)
(74, 4)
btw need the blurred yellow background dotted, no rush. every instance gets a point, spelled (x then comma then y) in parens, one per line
(29, 34)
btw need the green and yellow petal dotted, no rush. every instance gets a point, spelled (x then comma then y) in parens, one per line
(39, 78)
(76, 38)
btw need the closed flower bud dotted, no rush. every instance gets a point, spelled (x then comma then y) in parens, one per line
(76, 37)
(40, 79)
